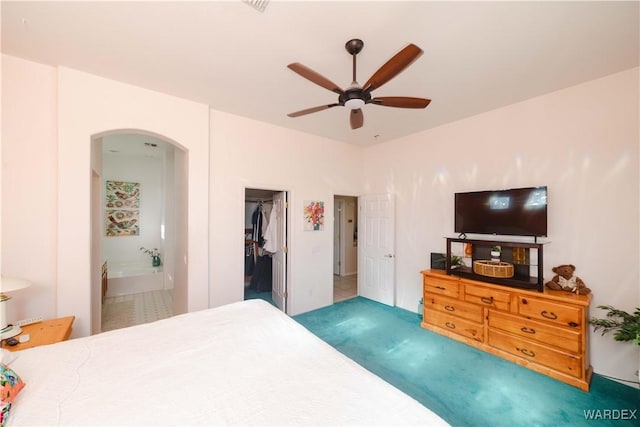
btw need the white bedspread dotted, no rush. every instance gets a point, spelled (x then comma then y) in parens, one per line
(241, 364)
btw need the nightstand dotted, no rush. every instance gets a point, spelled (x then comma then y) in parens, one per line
(43, 333)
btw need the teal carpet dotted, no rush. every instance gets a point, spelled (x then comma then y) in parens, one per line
(463, 385)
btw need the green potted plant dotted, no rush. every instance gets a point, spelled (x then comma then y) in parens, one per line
(154, 254)
(495, 251)
(457, 261)
(626, 326)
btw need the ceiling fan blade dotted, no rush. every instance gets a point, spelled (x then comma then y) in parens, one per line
(400, 101)
(356, 118)
(314, 77)
(393, 67)
(311, 110)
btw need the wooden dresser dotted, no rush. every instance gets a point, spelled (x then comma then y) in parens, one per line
(543, 331)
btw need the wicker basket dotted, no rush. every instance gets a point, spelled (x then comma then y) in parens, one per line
(493, 268)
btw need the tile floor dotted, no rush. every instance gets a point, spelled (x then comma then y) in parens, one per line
(128, 310)
(345, 287)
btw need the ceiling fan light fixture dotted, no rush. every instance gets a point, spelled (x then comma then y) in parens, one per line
(355, 96)
(354, 103)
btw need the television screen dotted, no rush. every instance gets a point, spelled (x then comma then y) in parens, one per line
(514, 212)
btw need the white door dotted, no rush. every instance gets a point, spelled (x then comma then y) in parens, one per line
(279, 259)
(376, 248)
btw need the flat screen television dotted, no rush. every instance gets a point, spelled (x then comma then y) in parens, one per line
(513, 212)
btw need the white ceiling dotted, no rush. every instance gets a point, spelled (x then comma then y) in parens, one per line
(478, 56)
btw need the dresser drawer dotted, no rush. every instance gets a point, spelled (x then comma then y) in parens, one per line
(487, 297)
(442, 286)
(455, 307)
(561, 314)
(555, 359)
(454, 324)
(567, 339)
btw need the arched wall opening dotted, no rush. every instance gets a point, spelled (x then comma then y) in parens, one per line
(88, 108)
(138, 205)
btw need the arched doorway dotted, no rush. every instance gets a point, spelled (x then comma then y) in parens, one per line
(89, 107)
(139, 208)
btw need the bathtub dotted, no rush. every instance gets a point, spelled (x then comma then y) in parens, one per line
(124, 278)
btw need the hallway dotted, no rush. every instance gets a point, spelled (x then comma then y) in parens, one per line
(345, 287)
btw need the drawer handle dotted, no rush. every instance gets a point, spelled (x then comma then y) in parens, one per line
(487, 300)
(450, 325)
(449, 308)
(440, 287)
(573, 324)
(527, 352)
(548, 315)
(528, 330)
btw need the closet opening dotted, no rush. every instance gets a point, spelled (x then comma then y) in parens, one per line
(266, 246)
(345, 247)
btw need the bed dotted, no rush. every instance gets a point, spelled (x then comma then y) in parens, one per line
(240, 364)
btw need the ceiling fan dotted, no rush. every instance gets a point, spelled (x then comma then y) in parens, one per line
(356, 96)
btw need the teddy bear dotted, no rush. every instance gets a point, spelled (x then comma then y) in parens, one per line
(564, 280)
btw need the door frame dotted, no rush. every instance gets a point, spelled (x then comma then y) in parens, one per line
(338, 222)
(343, 247)
(288, 234)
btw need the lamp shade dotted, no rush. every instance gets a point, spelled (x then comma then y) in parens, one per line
(10, 284)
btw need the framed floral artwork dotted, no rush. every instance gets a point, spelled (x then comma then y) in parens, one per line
(123, 195)
(122, 203)
(122, 223)
(313, 216)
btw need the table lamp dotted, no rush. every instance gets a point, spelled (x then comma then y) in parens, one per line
(9, 284)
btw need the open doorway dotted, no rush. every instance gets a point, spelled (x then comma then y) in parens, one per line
(266, 246)
(139, 224)
(345, 247)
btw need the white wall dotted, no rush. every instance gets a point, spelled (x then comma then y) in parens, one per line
(582, 142)
(29, 184)
(246, 153)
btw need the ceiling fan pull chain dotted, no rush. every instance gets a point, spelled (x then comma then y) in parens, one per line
(354, 69)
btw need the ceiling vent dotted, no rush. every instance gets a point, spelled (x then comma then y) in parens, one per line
(259, 5)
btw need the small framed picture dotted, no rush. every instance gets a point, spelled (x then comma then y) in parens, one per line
(313, 216)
